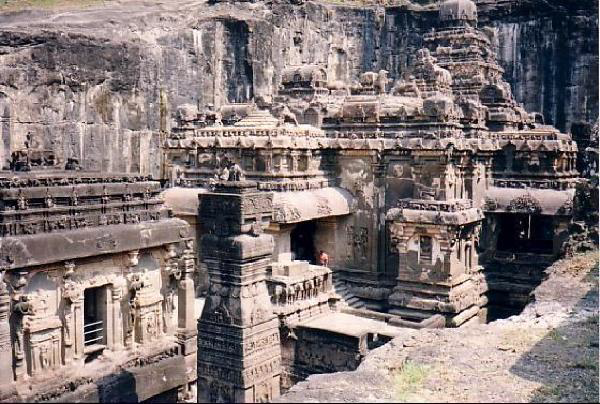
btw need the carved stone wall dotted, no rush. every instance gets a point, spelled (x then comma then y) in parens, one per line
(86, 290)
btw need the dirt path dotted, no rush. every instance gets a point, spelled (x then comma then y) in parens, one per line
(547, 353)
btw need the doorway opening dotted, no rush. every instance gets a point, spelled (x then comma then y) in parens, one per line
(523, 233)
(523, 251)
(302, 241)
(94, 321)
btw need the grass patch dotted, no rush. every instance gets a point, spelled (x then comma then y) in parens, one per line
(18, 5)
(555, 335)
(519, 339)
(408, 379)
(547, 394)
(587, 363)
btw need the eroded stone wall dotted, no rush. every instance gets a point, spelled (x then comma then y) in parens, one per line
(102, 88)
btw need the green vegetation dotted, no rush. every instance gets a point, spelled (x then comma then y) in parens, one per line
(555, 335)
(408, 379)
(548, 394)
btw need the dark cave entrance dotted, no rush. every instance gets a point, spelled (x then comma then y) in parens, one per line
(525, 233)
(523, 250)
(302, 241)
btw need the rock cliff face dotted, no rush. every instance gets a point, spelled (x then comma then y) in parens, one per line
(103, 83)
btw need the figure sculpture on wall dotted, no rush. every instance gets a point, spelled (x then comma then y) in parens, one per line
(22, 308)
(136, 284)
(73, 164)
(283, 113)
(235, 173)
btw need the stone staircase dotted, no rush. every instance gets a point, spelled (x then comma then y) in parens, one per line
(347, 298)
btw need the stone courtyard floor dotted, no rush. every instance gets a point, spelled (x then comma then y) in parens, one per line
(547, 353)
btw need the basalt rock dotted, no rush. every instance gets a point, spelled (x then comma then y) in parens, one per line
(101, 88)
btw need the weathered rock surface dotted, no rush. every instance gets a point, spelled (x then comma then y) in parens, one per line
(102, 83)
(547, 353)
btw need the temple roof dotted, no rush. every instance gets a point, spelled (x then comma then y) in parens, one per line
(300, 206)
(526, 200)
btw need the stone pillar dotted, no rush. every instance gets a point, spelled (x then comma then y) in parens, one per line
(133, 286)
(239, 354)
(72, 293)
(6, 360)
(117, 317)
(186, 305)
(186, 291)
(78, 346)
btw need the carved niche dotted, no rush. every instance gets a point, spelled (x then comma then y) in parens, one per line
(358, 241)
(145, 316)
(41, 334)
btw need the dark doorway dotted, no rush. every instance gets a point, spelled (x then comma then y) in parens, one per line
(510, 281)
(94, 317)
(525, 233)
(302, 241)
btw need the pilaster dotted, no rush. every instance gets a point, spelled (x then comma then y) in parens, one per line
(6, 359)
(239, 356)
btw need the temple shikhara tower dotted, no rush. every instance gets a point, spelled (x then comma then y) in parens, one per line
(286, 236)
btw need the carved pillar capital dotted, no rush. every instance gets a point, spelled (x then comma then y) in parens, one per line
(132, 259)
(171, 265)
(188, 259)
(69, 269)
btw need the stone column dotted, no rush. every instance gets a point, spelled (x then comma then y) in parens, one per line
(117, 317)
(239, 353)
(70, 293)
(6, 359)
(134, 285)
(78, 346)
(173, 272)
(186, 291)
(186, 304)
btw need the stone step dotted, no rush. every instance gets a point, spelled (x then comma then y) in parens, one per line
(355, 302)
(345, 295)
(341, 289)
(373, 307)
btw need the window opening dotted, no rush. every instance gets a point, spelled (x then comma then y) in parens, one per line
(425, 249)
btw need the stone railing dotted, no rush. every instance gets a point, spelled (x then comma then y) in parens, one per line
(297, 282)
(562, 184)
(7, 180)
(436, 206)
(524, 135)
(231, 131)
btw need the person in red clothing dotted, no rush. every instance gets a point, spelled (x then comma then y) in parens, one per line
(323, 258)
